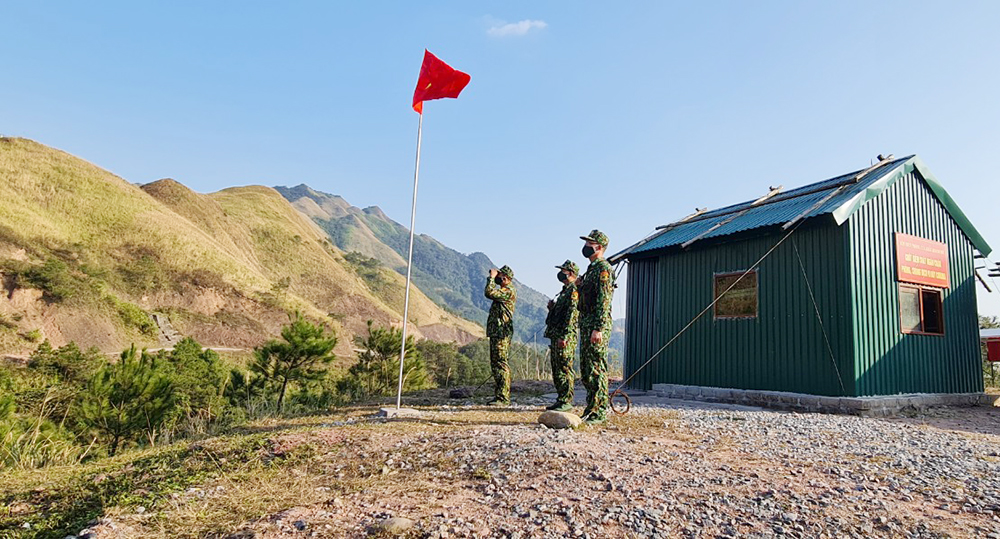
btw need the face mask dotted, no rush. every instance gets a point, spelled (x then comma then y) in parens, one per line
(562, 277)
(588, 251)
(498, 280)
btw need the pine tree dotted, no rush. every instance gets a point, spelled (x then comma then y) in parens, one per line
(303, 356)
(377, 372)
(198, 376)
(126, 399)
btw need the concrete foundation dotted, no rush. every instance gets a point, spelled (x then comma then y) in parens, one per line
(880, 406)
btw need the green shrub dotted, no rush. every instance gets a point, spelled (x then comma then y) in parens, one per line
(369, 269)
(198, 379)
(68, 362)
(30, 439)
(302, 356)
(50, 386)
(527, 362)
(377, 371)
(127, 400)
(56, 280)
(133, 316)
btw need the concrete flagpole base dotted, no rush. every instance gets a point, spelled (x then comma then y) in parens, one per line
(390, 412)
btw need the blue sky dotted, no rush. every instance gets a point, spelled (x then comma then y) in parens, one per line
(580, 115)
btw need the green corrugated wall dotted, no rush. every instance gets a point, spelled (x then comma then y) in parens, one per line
(782, 349)
(887, 361)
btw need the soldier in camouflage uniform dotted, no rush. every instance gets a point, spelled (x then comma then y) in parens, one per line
(596, 287)
(560, 329)
(500, 329)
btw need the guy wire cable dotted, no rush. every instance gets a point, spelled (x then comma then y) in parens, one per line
(819, 317)
(621, 394)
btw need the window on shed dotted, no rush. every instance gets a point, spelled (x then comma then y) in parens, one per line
(737, 298)
(921, 310)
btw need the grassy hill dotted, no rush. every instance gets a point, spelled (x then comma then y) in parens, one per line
(451, 279)
(86, 256)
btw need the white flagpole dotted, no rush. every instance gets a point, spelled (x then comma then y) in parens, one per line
(409, 263)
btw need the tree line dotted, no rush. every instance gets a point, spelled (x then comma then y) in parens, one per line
(68, 405)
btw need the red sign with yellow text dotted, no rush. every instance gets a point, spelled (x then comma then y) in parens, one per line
(921, 261)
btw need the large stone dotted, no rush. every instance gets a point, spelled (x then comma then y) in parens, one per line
(395, 525)
(559, 420)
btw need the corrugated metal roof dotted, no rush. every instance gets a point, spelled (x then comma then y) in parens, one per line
(841, 196)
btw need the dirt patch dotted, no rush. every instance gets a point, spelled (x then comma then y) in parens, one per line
(972, 420)
(443, 333)
(58, 323)
(62, 325)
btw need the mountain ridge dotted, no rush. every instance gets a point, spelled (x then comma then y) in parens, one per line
(451, 279)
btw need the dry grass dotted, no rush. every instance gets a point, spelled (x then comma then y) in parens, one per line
(226, 502)
(62, 203)
(244, 240)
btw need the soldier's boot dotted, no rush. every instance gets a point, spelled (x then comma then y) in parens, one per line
(561, 407)
(596, 418)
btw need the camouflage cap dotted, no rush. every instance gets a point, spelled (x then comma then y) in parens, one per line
(507, 271)
(569, 265)
(597, 237)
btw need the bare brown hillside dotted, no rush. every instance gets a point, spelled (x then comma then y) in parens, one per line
(86, 256)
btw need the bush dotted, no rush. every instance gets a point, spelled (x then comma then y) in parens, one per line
(245, 391)
(57, 280)
(68, 363)
(526, 362)
(51, 385)
(376, 373)
(54, 279)
(133, 316)
(198, 377)
(127, 400)
(302, 357)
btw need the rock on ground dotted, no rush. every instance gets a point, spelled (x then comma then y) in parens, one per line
(559, 420)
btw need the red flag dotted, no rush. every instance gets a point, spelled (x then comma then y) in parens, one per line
(437, 79)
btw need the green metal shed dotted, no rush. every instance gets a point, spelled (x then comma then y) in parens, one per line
(860, 285)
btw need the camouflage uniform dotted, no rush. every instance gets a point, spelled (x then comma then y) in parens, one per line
(596, 287)
(561, 325)
(500, 329)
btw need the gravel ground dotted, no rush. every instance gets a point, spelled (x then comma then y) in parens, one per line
(466, 471)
